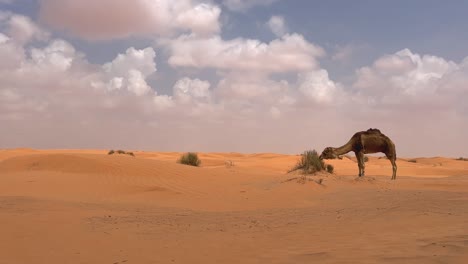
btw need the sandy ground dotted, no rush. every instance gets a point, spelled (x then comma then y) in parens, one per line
(84, 206)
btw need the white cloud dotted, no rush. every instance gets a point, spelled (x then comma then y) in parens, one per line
(129, 71)
(317, 86)
(110, 19)
(404, 73)
(141, 60)
(12, 55)
(57, 56)
(185, 90)
(163, 102)
(277, 25)
(201, 19)
(289, 53)
(136, 83)
(48, 98)
(3, 38)
(23, 30)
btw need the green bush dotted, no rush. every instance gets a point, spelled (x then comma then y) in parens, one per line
(190, 158)
(330, 168)
(309, 163)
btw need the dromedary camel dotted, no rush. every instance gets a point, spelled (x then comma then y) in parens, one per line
(370, 141)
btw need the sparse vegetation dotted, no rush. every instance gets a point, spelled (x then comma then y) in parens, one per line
(330, 168)
(412, 160)
(229, 163)
(304, 179)
(111, 152)
(462, 158)
(309, 163)
(190, 158)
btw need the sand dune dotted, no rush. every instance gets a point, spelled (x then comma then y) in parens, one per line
(84, 206)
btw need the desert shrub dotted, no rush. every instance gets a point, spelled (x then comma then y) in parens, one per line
(309, 163)
(228, 163)
(330, 168)
(462, 158)
(366, 159)
(190, 158)
(120, 152)
(412, 160)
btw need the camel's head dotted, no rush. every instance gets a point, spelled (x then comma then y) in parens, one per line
(329, 153)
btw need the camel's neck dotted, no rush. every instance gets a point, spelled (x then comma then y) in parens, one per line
(344, 149)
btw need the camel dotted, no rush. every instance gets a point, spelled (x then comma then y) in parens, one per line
(363, 142)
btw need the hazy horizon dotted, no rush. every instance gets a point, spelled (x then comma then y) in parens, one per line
(233, 75)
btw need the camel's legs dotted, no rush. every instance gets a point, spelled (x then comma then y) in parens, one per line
(360, 160)
(394, 166)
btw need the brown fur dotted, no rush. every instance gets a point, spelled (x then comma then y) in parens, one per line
(363, 142)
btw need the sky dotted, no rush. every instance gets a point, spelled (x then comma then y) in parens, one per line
(233, 75)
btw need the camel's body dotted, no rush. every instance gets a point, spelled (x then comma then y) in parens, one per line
(370, 141)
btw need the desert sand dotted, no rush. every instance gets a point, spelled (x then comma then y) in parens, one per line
(84, 206)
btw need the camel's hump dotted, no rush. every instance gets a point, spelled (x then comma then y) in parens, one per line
(374, 130)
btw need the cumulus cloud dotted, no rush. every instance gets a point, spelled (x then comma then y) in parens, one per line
(277, 25)
(11, 54)
(186, 90)
(404, 73)
(414, 93)
(51, 96)
(57, 56)
(42, 80)
(317, 86)
(129, 71)
(111, 19)
(202, 19)
(163, 102)
(289, 53)
(21, 29)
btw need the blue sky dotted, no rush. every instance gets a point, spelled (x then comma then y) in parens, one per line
(248, 76)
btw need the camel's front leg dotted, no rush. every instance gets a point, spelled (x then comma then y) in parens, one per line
(394, 168)
(360, 160)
